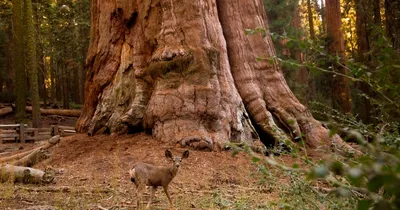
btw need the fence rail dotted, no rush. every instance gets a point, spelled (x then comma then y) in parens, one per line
(22, 133)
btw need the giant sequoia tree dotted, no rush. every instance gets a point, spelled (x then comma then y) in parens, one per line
(186, 71)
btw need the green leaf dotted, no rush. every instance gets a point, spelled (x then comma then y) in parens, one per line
(337, 168)
(235, 152)
(364, 204)
(255, 159)
(332, 132)
(376, 183)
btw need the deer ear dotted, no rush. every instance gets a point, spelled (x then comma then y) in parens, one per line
(168, 154)
(185, 154)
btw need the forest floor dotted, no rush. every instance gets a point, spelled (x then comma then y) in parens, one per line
(92, 173)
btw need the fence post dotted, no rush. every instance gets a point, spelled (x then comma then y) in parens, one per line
(56, 132)
(22, 133)
(62, 132)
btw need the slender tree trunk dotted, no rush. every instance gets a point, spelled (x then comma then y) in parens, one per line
(64, 81)
(31, 63)
(76, 84)
(40, 55)
(43, 75)
(302, 74)
(340, 85)
(53, 87)
(377, 12)
(9, 68)
(59, 81)
(321, 12)
(18, 65)
(186, 71)
(323, 16)
(310, 19)
(363, 19)
(392, 14)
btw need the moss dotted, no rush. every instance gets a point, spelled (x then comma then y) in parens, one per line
(195, 68)
(162, 68)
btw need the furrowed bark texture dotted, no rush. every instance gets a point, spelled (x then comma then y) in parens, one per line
(186, 71)
(340, 85)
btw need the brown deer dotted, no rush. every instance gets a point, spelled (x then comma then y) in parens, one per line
(143, 174)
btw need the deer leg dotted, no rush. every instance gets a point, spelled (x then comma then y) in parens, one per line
(153, 191)
(139, 194)
(169, 198)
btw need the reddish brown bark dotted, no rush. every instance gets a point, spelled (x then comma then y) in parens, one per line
(341, 97)
(363, 25)
(186, 71)
(392, 13)
(310, 19)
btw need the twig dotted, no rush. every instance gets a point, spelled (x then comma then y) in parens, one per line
(102, 208)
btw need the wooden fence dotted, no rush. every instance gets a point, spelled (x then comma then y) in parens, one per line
(22, 133)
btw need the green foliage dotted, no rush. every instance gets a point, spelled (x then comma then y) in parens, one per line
(368, 181)
(280, 15)
(61, 36)
(381, 76)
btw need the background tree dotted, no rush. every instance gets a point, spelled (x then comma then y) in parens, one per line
(284, 21)
(392, 14)
(18, 58)
(341, 98)
(31, 64)
(6, 33)
(61, 36)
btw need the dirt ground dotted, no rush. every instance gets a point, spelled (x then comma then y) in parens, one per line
(92, 173)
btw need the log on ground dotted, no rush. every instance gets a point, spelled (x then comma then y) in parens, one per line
(33, 158)
(51, 142)
(6, 111)
(61, 112)
(25, 175)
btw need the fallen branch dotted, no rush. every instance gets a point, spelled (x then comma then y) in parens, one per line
(101, 208)
(64, 189)
(26, 175)
(61, 112)
(6, 111)
(33, 158)
(16, 156)
(51, 142)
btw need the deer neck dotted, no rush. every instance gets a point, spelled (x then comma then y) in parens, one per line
(173, 171)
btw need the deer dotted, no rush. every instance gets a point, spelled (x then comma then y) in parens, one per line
(144, 174)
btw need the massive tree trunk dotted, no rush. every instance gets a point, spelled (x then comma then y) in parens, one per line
(340, 85)
(186, 71)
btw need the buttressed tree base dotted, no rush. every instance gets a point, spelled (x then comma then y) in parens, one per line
(187, 72)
